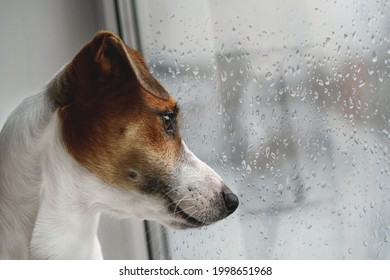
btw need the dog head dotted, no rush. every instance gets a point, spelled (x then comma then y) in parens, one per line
(122, 126)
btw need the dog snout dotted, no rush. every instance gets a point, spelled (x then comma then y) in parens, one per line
(230, 200)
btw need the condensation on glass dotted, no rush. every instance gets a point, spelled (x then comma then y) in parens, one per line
(289, 102)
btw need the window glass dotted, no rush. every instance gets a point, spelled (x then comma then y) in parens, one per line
(289, 102)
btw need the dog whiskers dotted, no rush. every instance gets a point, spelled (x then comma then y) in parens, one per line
(183, 210)
(192, 215)
(181, 200)
(176, 189)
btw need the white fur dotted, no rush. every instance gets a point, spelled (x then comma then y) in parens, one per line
(43, 194)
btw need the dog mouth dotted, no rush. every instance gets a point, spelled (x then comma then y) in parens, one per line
(182, 219)
(206, 211)
(201, 210)
(178, 217)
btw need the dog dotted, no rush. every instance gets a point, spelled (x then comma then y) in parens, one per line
(103, 136)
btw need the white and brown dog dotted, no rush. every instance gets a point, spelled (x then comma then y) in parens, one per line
(102, 137)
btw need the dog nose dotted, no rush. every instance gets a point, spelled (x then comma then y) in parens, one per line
(230, 199)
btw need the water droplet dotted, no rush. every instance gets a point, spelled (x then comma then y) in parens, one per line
(350, 103)
(354, 36)
(222, 48)
(185, 80)
(309, 225)
(223, 76)
(248, 169)
(219, 110)
(229, 58)
(268, 76)
(267, 151)
(294, 114)
(374, 57)
(196, 70)
(243, 164)
(224, 158)
(327, 40)
(350, 251)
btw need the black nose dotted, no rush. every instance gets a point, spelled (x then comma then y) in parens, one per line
(230, 199)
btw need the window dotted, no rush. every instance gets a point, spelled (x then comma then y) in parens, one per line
(289, 102)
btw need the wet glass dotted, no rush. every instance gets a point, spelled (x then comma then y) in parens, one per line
(289, 102)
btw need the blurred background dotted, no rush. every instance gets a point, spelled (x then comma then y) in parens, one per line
(287, 100)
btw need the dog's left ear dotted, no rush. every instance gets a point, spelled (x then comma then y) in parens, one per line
(114, 58)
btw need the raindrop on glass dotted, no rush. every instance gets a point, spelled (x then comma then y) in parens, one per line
(268, 76)
(374, 57)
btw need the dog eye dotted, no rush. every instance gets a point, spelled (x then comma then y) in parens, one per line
(169, 123)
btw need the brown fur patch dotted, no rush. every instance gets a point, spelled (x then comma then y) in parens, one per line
(109, 123)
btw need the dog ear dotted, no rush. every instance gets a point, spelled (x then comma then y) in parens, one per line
(116, 59)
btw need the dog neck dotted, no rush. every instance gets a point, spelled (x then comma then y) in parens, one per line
(63, 231)
(67, 220)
